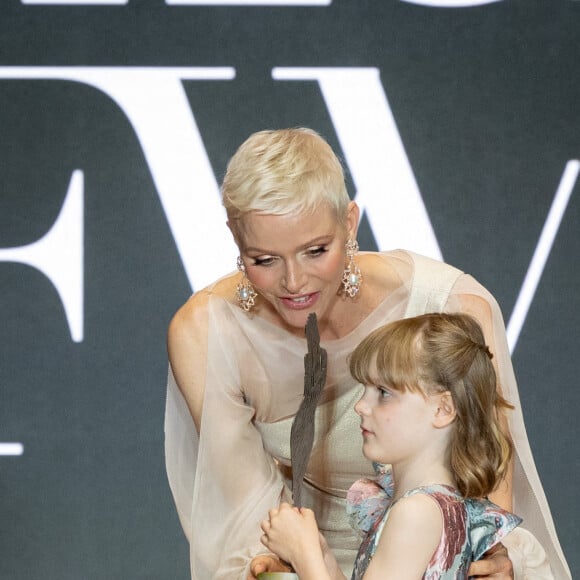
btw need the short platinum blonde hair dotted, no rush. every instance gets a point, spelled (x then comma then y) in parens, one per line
(282, 172)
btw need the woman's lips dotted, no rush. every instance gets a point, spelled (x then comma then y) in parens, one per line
(299, 302)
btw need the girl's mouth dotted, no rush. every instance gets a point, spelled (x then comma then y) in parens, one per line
(365, 432)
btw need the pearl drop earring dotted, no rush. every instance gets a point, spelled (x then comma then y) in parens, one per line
(351, 277)
(245, 293)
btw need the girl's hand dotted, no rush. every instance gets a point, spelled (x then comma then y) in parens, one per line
(495, 564)
(291, 532)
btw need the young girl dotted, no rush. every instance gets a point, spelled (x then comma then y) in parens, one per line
(432, 411)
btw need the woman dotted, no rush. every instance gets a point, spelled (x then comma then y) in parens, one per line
(236, 354)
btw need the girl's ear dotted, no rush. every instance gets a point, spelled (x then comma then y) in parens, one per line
(445, 411)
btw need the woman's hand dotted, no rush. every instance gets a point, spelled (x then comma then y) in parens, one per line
(266, 563)
(495, 564)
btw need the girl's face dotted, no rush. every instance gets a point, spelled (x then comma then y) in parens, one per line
(396, 426)
(296, 261)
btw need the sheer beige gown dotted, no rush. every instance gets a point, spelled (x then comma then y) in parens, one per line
(225, 480)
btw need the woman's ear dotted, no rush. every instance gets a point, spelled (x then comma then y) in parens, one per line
(445, 411)
(352, 219)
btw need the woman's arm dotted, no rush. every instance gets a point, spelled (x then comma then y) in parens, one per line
(222, 479)
(496, 562)
(187, 350)
(528, 499)
(481, 309)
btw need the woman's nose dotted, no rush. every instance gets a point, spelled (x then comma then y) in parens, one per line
(294, 279)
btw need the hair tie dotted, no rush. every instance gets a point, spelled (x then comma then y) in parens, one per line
(485, 349)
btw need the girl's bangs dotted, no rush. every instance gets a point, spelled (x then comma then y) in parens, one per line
(389, 357)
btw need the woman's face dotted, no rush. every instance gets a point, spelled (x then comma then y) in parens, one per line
(296, 261)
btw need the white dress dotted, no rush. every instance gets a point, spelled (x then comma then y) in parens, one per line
(225, 480)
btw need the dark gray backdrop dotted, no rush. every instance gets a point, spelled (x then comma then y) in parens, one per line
(486, 103)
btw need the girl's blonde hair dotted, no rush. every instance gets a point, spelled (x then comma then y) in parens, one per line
(446, 352)
(284, 171)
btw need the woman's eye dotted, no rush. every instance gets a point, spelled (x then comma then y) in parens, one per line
(263, 261)
(317, 251)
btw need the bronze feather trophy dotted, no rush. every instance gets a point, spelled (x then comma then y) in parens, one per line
(302, 431)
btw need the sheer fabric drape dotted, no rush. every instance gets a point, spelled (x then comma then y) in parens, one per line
(225, 479)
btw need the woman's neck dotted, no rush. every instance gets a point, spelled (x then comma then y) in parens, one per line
(379, 281)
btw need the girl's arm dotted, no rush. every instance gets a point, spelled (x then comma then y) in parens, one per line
(409, 538)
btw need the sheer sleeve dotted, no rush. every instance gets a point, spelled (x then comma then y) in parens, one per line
(222, 480)
(529, 500)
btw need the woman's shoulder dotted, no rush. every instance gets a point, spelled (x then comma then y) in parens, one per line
(438, 276)
(406, 264)
(194, 313)
(401, 271)
(384, 272)
(222, 289)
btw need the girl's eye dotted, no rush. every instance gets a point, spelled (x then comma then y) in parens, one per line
(383, 393)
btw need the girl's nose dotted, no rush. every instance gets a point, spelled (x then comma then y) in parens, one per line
(361, 407)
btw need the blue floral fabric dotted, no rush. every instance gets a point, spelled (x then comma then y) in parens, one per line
(470, 526)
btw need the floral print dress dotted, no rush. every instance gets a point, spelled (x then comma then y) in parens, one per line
(470, 526)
